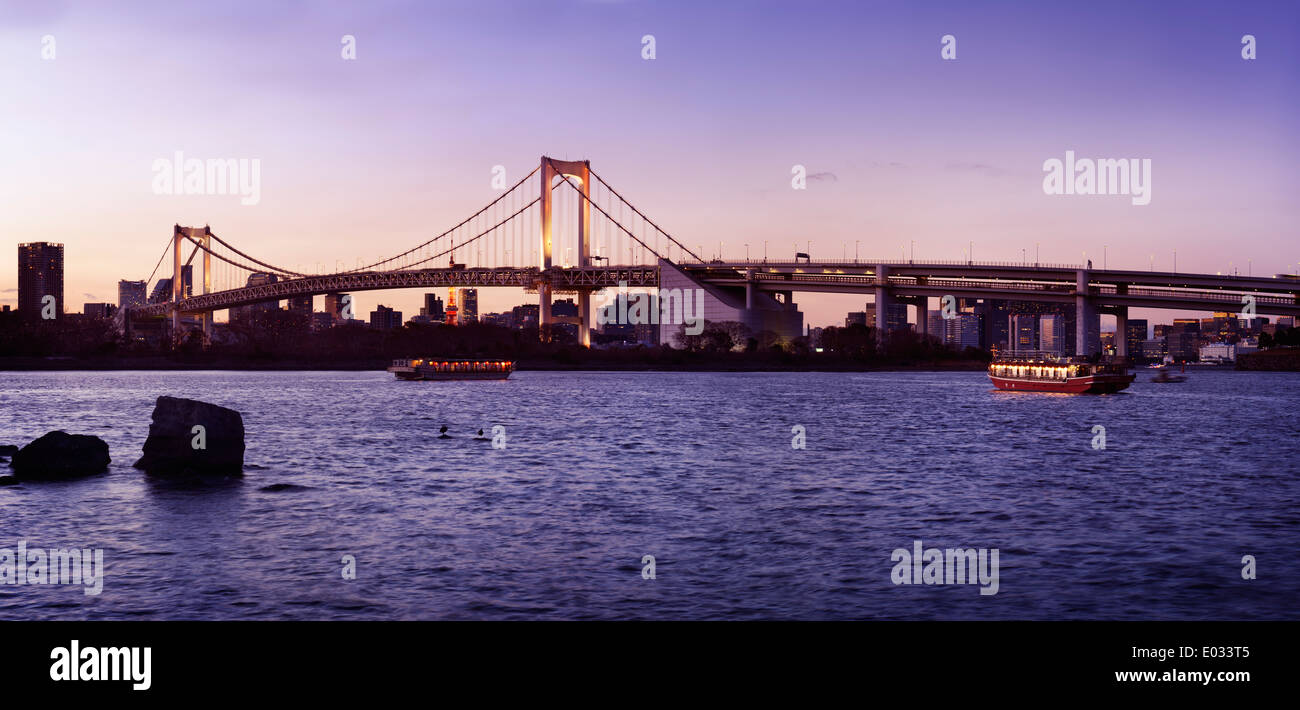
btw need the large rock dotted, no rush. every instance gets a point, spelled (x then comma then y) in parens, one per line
(175, 447)
(59, 455)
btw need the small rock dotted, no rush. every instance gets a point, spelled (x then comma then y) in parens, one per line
(278, 487)
(8, 449)
(59, 455)
(176, 445)
(9, 481)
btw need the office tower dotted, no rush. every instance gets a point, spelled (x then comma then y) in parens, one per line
(468, 303)
(1135, 333)
(855, 318)
(131, 293)
(162, 288)
(301, 305)
(98, 310)
(40, 274)
(1187, 325)
(1182, 346)
(1023, 330)
(385, 317)
(895, 316)
(962, 331)
(934, 325)
(335, 306)
(1051, 334)
(260, 309)
(432, 307)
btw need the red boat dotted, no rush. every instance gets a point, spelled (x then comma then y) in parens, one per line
(1022, 372)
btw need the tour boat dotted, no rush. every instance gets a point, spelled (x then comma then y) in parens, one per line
(1024, 372)
(451, 369)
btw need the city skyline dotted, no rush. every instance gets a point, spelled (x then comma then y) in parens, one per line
(950, 162)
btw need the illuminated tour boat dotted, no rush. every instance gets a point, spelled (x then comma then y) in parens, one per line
(1041, 372)
(443, 369)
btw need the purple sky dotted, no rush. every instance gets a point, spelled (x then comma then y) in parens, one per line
(365, 158)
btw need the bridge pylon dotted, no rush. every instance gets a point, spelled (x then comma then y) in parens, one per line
(204, 237)
(579, 170)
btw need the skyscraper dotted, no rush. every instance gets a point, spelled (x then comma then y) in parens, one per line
(385, 317)
(1023, 328)
(334, 306)
(301, 305)
(1135, 333)
(468, 298)
(432, 307)
(934, 325)
(257, 310)
(962, 330)
(162, 288)
(1051, 334)
(40, 274)
(131, 293)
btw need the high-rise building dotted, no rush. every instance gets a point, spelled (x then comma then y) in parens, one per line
(255, 310)
(98, 310)
(1135, 333)
(468, 302)
(996, 322)
(934, 325)
(962, 330)
(1187, 325)
(1182, 346)
(40, 274)
(1051, 333)
(1023, 328)
(855, 318)
(1153, 349)
(162, 289)
(336, 304)
(385, 317)
(895, 316)
(525, 316)
(131, 293)
(433, 308)
(301, 305)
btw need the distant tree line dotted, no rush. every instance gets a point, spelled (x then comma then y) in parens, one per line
(285, 339)
(1284, 338)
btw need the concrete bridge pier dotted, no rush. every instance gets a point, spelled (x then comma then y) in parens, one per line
(883, 299)
(1121, 332)
(1082, 313)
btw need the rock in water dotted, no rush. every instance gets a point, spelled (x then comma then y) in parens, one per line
(59, 455)
(8, 449)
(189, 437)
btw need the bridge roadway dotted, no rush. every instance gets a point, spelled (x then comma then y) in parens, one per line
(1278, 295)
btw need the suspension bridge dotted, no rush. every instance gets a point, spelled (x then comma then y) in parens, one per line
(562, 229)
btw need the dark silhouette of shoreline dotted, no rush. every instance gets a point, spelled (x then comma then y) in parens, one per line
(285, 343)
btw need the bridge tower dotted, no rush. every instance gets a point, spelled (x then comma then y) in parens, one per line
(580, 171)
(204, 237)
